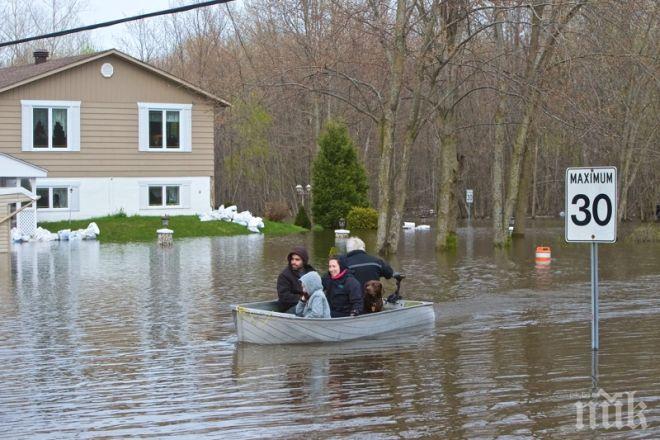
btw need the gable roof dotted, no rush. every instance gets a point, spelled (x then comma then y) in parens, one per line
(17, 74)
(11, 166)
(12, 77)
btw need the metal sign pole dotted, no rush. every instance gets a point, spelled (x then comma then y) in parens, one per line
(594, 296)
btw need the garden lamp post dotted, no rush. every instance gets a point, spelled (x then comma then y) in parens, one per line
(307, 190)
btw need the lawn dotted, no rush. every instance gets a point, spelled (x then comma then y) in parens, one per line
(124, 229)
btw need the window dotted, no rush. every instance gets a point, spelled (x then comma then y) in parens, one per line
(51, 125)
(164, 135)
(44, 201)
(164, 196)
(49, 128)
(168, 194)
(53, 197)
(165, 127)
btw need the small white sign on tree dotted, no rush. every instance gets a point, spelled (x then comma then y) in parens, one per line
(591, 204)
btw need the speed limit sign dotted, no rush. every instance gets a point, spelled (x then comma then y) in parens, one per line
(591, 218)
(591, 204)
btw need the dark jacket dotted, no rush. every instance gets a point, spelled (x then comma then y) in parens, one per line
(366, 267)
(288, 282)
(344, 295)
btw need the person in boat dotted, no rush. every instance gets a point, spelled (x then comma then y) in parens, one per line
(313, 303)
(343, 291)
(289, 289)
(363, 266)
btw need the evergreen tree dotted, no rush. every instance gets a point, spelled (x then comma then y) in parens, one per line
(338, 178)
(302, 219)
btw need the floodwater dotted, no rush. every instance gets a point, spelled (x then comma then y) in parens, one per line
(116, 341)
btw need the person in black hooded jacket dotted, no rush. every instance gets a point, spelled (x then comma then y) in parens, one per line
(343, 291)
(289, 289)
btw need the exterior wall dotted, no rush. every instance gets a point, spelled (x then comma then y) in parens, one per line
(109, 123)
(4, 227)
(101, 196)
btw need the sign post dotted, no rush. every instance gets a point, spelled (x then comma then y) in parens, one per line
(469, 198)
(591, 217)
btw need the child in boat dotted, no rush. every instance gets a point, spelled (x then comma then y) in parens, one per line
(313, 303)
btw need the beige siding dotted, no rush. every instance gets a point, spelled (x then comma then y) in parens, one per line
(109, 123)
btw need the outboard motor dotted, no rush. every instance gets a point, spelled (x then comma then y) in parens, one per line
(393, 298)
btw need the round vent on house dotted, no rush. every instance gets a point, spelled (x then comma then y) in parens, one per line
(107, 70)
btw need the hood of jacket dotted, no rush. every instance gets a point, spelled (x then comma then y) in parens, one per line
(312, 282)
(301, 252)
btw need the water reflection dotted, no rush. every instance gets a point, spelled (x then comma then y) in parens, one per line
(114, 341)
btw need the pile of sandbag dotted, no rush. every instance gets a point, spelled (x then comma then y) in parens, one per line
(41, 234)
(231, 214)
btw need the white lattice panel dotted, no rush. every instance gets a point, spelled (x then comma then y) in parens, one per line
(26, 221)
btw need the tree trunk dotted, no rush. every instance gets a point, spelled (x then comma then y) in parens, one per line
(396, 60)
(384, 186)
(446, 233)
(517, 157)
(534, 178)
(539, 57)
(399, 195)
(631, 124)
(400, 187)
(523, 195)
(499, 230)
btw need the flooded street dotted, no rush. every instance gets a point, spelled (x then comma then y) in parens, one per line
(113, 341)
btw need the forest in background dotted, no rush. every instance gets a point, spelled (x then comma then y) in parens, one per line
(497, 96)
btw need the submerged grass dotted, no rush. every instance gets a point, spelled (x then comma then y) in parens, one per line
(123, 229)
(646, 233)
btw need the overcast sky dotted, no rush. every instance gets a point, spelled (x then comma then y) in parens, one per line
(106, 10)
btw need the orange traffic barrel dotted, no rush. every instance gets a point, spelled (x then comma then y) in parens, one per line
(543, 255)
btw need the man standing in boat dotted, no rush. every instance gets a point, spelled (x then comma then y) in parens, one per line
(364, 267)
(289, 289)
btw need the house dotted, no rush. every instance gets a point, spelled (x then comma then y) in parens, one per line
(104, 133)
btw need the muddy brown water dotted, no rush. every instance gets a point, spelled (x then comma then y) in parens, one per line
(116, 341)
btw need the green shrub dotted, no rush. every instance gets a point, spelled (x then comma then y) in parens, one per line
(338, 177)
(302, 219)
(317, 228)
(362, 218)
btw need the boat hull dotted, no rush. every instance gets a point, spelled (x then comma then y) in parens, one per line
(259, 323)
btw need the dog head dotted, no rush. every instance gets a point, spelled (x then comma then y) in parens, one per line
(373, 288)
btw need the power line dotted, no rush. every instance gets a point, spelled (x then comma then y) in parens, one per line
(114, 22)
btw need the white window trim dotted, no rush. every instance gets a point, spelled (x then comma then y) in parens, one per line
(72, 196)
(184, 195)
(163, 196)
(185, 126)
(73, 124)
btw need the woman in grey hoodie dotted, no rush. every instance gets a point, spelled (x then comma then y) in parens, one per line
(313, 303)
